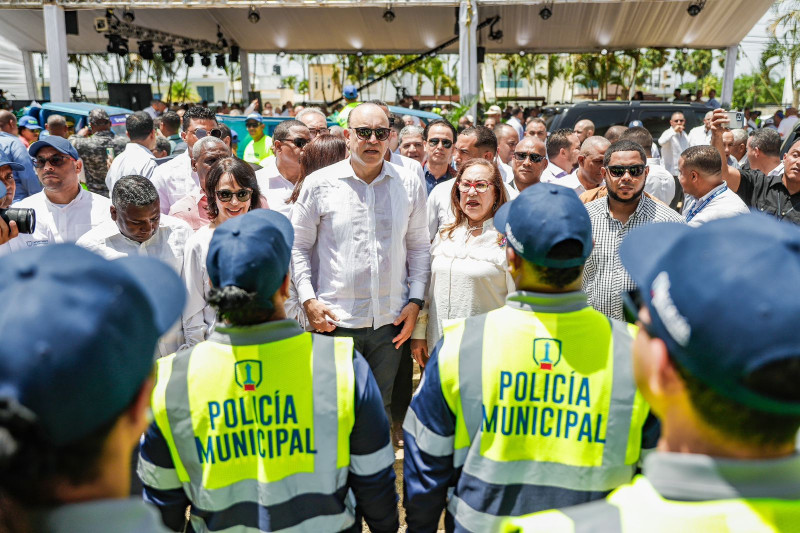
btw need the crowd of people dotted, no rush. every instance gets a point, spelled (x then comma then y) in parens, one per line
(581, 308)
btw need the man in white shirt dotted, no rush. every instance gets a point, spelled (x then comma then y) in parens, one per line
(64, 210)
(281, 173)
(137, 159)
(589, 174)
(137, 228)
(507, 140)
(315, 121)
(562, 152)
(660, 183)
(764, 151)
(192, 208)
(673, 142)
(175, 178)
(701, 135)
(363, 222)
(709, 197)
(788, 123)
(515, 121)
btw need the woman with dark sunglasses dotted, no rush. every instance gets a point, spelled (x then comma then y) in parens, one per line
(232, 190)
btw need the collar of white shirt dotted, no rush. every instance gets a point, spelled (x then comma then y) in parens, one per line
(777, 171)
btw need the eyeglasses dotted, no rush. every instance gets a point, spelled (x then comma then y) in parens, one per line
(365, 134)
(446, 143)
(679, 120)
(251, 125)
(297, 141)
(225, 195)
(55, 160)
(318, 131)
(533, 156)
(632, 302)
(619, 170)
(479, 186)
(201, 132)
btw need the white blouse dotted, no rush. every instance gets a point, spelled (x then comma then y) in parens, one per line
(198, 316)
(468, 277)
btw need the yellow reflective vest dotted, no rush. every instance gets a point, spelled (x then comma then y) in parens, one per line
(345, 112)
(258, 151)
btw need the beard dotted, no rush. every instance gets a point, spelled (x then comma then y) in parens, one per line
(634, 198)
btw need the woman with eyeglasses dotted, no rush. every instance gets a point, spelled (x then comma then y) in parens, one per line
(232, 190)
(468, 257)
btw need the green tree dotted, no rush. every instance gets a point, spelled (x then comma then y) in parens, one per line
(290, 82)
(183, 92)
(699, 65)
(680, 63)
(553, 71)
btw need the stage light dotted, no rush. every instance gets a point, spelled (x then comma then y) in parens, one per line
(205, 59)
(495, 34)
(188, 57)
(546, 13)
(167, 53)
(117, 44)
(146, 49)
(388, 15)
(695, 8)
(220, 60)
(233, 56)
(253, 16)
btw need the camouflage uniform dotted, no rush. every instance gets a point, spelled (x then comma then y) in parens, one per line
(93, 154)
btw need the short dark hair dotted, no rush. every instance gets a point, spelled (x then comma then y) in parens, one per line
(242, 173)
(139, 125)
(281, 132)
(133, 190)
(199, 113)
(516, 110)
(561, 277)
(172, 120)
(767, 140)
(225, 131)
(500, 128)
(640, 136)
(439, 122)
(705, 159)
(163, 144)
(486, 139)
(624, 146)
(557, 140)
(239, 307)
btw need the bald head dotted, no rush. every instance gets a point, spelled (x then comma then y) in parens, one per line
(614, 132)
(367, 111)
(590, 161)
(507, 139)
(8, 122)
(595, 145)
(528, 172)
(584, 129)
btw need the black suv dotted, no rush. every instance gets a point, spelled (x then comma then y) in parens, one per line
(654, 115)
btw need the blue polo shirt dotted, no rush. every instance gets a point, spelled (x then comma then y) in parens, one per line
(431, 181)
(26, 179)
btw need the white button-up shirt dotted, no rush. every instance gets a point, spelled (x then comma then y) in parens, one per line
(369, 241)
(274, 187)
(699, 136)
(672, 146)
(135, 160)
(198, 317)
(660, 183)
(57, 223)
(571, 181)
(552, 173)
(406, 162)
(725, 204)
(167, 245)
(174, 180)
(506, 172)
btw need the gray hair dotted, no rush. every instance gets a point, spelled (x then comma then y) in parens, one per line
(205, 143)
(501, 130)
(133, 190)
(310, 111)
(409, 130)
(739, 136)
(56, 120)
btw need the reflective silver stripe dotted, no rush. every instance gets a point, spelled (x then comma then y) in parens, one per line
(326, 408)
(460, 456)
(338, 522)
(428, 440)
(595, 517)
(472, 520)
(623, 393)
(367, 465)
(157, 477)
(470, 373)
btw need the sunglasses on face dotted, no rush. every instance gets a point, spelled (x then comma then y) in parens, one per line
(201, 132)
(479, 186)
(297, 141)
(56, 160)
(446, 143)
(679, 120)
(534, 157)
(619, 170)
(251, 125)
(366, 134)
(225, 195)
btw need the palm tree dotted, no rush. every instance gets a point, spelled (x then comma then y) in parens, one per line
(636, 57)
(290, 81)
(680, 63)
(183, 92)
(700, 62)
(654, 60)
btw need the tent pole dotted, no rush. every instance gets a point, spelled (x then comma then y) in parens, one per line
(728, 77)
(468, 54)
(244, 63)
(56, 36)
(30, 74)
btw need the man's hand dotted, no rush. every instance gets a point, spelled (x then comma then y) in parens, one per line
(408, 317)
(83, 132)
(679, 128)
(718, 121)
(419, 351)
(317, 313)
(719, 125)
(8, 231)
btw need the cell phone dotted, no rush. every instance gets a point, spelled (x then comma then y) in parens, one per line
(735, 120)
(110, 152)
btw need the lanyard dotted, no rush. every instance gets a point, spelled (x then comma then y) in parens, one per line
(695, 210)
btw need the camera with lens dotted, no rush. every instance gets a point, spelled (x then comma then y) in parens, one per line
(25, 218)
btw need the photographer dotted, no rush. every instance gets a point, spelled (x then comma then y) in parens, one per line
(7, 188)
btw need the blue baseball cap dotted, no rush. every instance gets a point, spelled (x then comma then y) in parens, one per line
(252, 252)
(13, 164)
(635, 124)
(79, 333)
(29, 122)
(542, 216)
(253, 116)
(350, 92)
(59, 143)
(717, 296)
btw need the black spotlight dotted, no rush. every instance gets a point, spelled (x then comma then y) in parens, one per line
(117, 44)
(253, 16)
(220, 60)
(127, 15)
(233, 56)
(146, 49)
(695, 8)
(494, 33)
(188, 57)
(389, 15)
(546, 13)
(205, 59)
(167, 53)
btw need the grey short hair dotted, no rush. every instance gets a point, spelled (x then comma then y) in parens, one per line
(409, 130)
(501, 129)
(204, 143)
(739, 136)
(56, 120)
(133, 190)
(310, 111)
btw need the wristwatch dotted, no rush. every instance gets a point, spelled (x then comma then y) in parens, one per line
(420, 302)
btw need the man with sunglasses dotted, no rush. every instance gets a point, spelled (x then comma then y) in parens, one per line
(613, 216)
(138, 158)
(721, 378)
(439, 137)
(391, 156)
(175, 179)
(361, 255)
(673, 142)
(280, 173)
(260, 146)
(529, 161)
(64, 210)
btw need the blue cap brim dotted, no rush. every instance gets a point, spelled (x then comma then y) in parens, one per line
(38, 145)
(501, 217)
(643, 249)
(161, 286)
(12, 164)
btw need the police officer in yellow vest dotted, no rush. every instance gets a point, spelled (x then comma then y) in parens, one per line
(350, 94)
(533, 405)
(260, 146)
(265, 427)
(718, 358)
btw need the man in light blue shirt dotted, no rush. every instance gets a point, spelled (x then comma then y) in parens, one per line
(11, 149)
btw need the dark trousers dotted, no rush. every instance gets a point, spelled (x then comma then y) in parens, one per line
(403, 385)
(383, 358)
